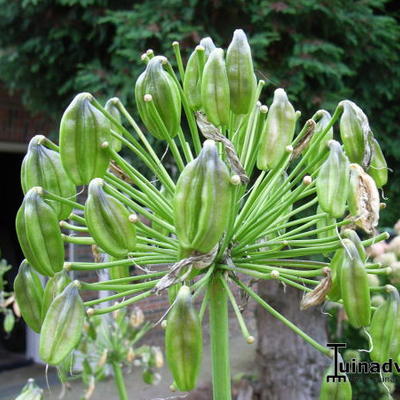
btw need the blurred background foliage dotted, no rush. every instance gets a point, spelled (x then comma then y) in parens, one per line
(320, 51)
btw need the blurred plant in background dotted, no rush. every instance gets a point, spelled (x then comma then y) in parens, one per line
(109, 343)
(8, 306)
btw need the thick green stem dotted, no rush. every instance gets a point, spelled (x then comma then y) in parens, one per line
(119, 381)
(219, 335)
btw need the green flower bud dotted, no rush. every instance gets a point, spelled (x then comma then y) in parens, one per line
(215, 89)
(83, 129)
(378, 166)
(354, 130)
(111, 107)
(192, 79)
(333, 181)
(278, 132)
(208, 45)
(164, 94)
(239, 66)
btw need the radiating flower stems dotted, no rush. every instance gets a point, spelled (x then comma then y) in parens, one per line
(204, 304)
(71, 227)
(153, 162)
(77, 218)
(139, 209)
(289, 324)
(171, 143)
(110, 298)
(239, 316)
(86, 266)
(122, 304)
(219, 335)
(119, 380)
(178, 57)
(136, 177)
(53, 196)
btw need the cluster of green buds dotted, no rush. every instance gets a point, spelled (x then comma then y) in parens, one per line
(255, 196)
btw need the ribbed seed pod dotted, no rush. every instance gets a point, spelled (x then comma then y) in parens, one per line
(354, 129)
(352, 235)
(54, 286)
(202, 201)
(325, 222)
(335, 265)
(333, 181)
(208, 45)
(39, 233)
(239, 67)
(111, 107)
(155, 81)
(62, 328)
(355, 287)
(83, 129)
(192, 79)
(335, 390)
(28, 291)
(109, 222)
(378, 166)
(364, 202)
(215, 89)
(384, 329)
(316, 150)
(278, 132)
(42, 167)
(120, 271)
(183, 341)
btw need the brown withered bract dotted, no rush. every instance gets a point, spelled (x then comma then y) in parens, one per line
(318, 295)
(366, 199)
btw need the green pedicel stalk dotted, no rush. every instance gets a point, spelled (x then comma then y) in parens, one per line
(219, 335)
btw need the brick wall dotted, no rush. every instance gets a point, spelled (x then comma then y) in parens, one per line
(16, 124)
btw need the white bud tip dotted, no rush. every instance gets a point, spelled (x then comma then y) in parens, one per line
(289, 149)
(175, 43)
(40, 139)
(147, 98)
(143, 56)
(250, 339)
(164, 324)
(280, 95)
(172, 388)
(258, 104)
(62, 224)
(382, 205)
(235, 180)
(263, 109)
(200, 48)
(97, 181)
(209, 142)
(90, 311)
(104, 145)
(133, 218)
(274, 274)
(307, 180)
(38, 190)
(76, 283)
(149, 52)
